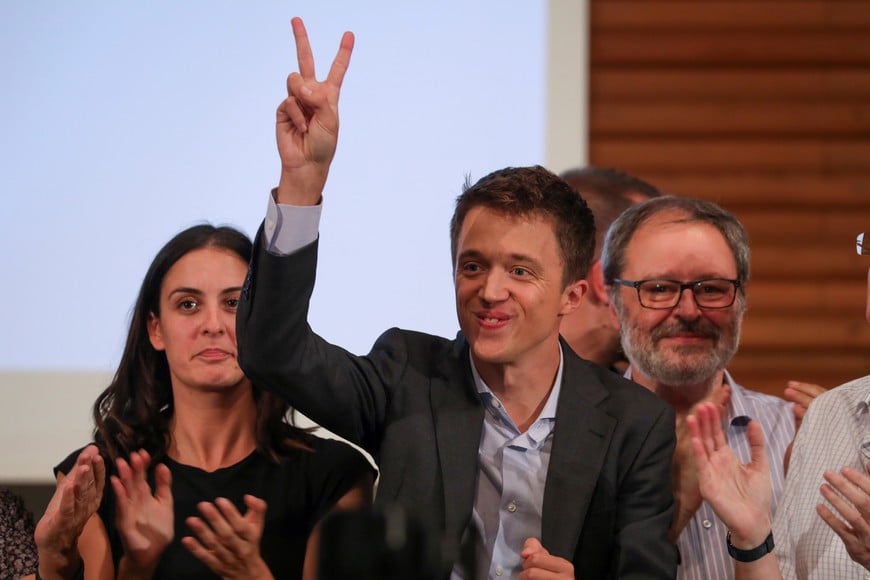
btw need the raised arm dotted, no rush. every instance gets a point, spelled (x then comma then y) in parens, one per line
(306, 126)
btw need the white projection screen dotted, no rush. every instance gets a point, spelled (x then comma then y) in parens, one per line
(124, 123)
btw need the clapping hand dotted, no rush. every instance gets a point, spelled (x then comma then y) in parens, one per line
(145, 521)
(228, 542)
(538, 562)
(739, 494)
(76, 499)
(848, 492)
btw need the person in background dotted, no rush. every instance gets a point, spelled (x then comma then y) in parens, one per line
(502, 440)
(17, 548)
(677, 269)
(591, 330)
(207, 478)
(818, 533)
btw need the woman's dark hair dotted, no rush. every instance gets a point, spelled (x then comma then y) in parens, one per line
(135, 409)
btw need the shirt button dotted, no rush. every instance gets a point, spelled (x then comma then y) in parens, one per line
(496, 404)
(270, 224)
(499, 571)
(512, 506)
(707, 524)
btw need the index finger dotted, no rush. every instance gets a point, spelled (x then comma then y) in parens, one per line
(341, 61)
(303, 49)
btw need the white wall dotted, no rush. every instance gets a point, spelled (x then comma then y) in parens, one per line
(125, 123)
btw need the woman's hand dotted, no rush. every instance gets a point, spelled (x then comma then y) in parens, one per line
(228, 542)
(145, 521)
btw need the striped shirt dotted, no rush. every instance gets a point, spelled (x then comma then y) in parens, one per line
(835, 433)
(703, 553)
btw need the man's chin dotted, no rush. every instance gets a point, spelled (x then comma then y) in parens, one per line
(684, 369)
(488, 356)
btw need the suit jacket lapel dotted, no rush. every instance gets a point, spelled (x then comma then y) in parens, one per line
(458, 418)
(581, 439)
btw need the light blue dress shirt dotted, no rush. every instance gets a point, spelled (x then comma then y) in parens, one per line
(512, 471)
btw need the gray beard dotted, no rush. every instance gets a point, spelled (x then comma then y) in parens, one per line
(689, 371)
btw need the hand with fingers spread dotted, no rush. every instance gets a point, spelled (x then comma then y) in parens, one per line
(307, 122)
(539, 563)
(739, 494)
(228, 542)
(75, 501)
(145, 521)
(848, 492)
(687, 496)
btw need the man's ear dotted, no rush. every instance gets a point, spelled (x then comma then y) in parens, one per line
(597, 287)
(155, 334)
(573, 296)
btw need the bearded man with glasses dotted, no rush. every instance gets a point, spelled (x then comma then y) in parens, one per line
(677, 269)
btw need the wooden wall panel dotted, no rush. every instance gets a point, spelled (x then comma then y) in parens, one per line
(841, 120)
(719, 15)
(762, 106)
(644, 85)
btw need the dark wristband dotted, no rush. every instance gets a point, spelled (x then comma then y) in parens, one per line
(752, 555)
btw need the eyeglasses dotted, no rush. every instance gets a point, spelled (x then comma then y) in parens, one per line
(862, 249)
(664, 294)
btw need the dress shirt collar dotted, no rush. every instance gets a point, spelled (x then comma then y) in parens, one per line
(737, 408)
(549, 410)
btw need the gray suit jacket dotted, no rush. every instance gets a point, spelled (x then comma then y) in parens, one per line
(411, 402)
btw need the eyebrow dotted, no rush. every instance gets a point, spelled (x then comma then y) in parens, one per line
(476, 255)
(527, 259)
(695, 279)
(198, 292)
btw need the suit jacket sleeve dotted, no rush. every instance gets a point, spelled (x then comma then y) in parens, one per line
(279, 352)
(645, 506)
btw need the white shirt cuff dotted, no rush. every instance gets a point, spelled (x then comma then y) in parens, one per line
(290, 227)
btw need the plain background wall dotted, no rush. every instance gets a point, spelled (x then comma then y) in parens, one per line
(124, 124)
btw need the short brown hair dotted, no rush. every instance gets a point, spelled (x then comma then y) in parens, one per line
(534, 191)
